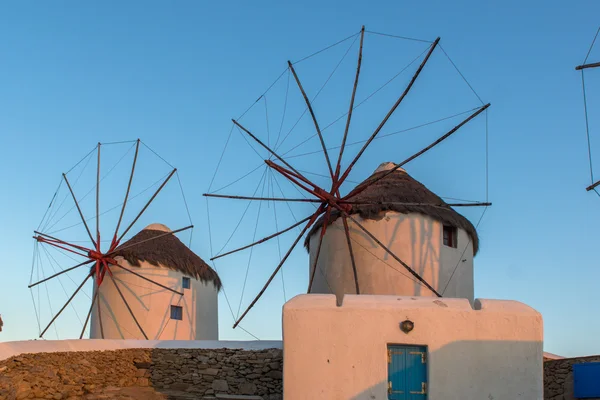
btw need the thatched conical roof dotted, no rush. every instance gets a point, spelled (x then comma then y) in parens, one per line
(168, 252)
(396, 188)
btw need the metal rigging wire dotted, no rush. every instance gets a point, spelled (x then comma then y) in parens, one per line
(52, 210)
(278, 145)
(591, 46)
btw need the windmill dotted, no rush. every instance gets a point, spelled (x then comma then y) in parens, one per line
(126, 272)
(585, 66)
(328, 199)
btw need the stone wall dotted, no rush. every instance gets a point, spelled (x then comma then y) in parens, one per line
(143, 374)
(558, 377)
(218, 371)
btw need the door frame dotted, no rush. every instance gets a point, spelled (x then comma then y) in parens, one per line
(427, 371)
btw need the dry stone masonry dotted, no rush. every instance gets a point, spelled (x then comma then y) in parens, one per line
(182, 374)
(219, 371)
(558, 377)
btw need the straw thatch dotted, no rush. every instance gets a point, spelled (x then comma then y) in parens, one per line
(399, 187)
(169, 252)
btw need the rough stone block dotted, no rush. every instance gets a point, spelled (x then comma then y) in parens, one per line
(247, 388)
(220, 385)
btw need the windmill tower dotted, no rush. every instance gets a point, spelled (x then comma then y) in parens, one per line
(414, 224)
(149, 286)
(388, 222)
(180, 303)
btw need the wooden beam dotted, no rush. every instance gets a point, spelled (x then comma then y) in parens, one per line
(424, 150)
(126, 303)
(388, 115)
(87, 228)
(309, 223)
(137, 148)
(228, 196)
(314, 269)
(147, 204)
(584, 66)
(384, 247)
(66, 304)
(592, 186)
(347, 230)
(261, 240)
(339, 163)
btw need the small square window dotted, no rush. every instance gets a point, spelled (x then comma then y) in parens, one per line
(185, 282)
(177, 313)
(450, 236)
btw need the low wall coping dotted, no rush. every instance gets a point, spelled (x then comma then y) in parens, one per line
(389, 302)
(12, 349)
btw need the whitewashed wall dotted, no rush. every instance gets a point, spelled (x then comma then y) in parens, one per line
(151, 305)
(415, 238)
(491, 352)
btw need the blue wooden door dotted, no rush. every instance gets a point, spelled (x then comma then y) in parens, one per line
(407, 372)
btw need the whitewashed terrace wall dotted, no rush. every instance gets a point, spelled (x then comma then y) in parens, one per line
(491, 352)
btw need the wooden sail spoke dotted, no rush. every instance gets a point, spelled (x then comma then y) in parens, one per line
(316, 262)
(395, 257)
(110, 275)
(94, 300)
(116, 264)
(262, 240)
(312, 219)
(228, 196)
(114, 240)
(592, 186)
(147, 240)
(94, 254)
(421, 152)
(147, 204)
(389, 114)
(354, 270)
(295, 179)
(98, 203)
(314, 118)
(61, 272)
(66, 304)
(272, 152)
(99, 305)
(87, 228)
(585, 66)
(58, 244)
(57, 240)
(339, 163)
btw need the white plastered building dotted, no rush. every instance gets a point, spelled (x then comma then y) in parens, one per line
(398, 340)
(161, 313)
(415, 224)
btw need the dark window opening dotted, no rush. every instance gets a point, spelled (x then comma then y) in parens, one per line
(185, 282)
(450, 236)
(177, 312)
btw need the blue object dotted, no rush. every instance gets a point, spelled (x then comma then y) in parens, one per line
(586, 380)
(177, 312)
(407, 372)
(185, 282)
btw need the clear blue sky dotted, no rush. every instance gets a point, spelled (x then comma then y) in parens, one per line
(73, 74)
